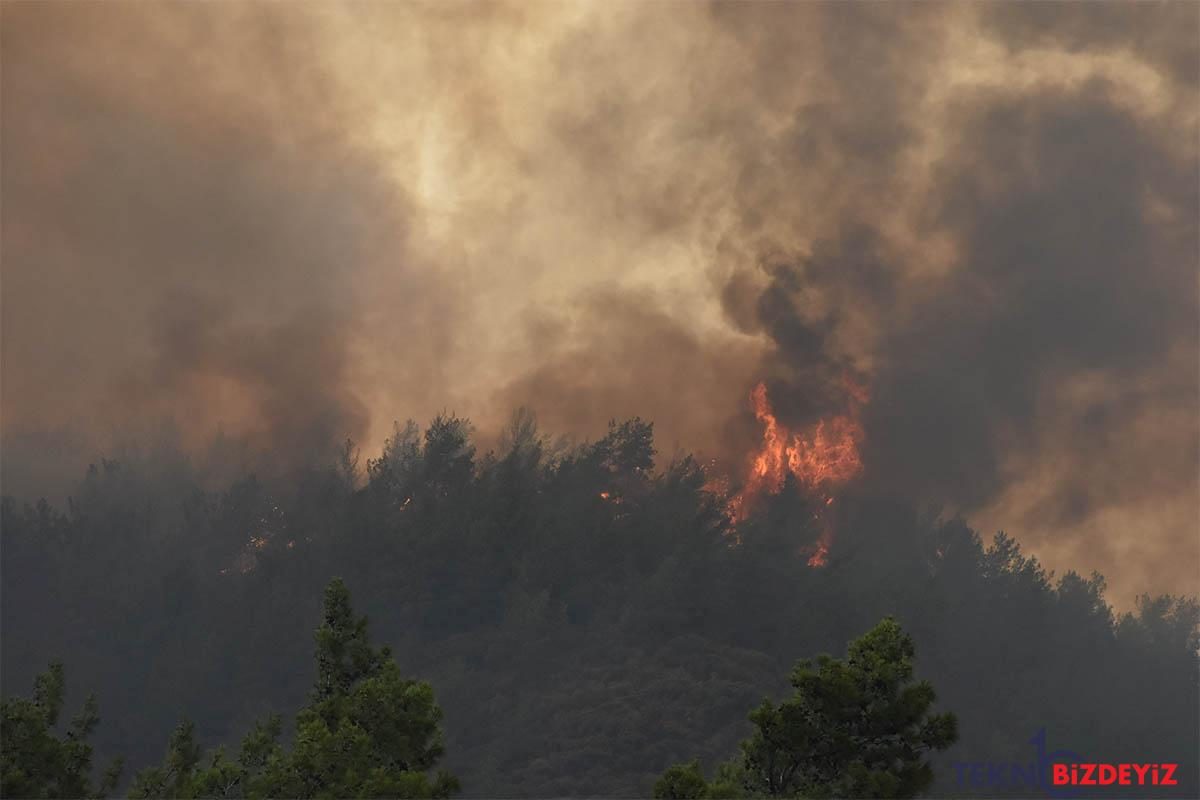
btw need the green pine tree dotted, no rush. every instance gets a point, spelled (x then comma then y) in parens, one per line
(366, 732)
(34, 760)
(858, 727)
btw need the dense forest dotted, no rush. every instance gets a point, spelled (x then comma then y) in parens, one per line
(588, 614)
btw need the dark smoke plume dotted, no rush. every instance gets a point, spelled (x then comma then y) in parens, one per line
(295, 223)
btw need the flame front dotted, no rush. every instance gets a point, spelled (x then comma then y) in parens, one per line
(821, 458)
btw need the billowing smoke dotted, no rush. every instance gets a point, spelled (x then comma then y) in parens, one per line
(188, 225)
(1034, 356)
(295, 223)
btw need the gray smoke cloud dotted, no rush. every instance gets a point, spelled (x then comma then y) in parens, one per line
(1037, 367)
(295, 223)
(188, 221)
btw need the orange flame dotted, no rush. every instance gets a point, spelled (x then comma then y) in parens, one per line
(822, 459)
(820, 551)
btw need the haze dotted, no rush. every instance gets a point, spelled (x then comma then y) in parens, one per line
(289, 224)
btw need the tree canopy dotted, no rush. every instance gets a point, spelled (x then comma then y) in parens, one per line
(366, 732)
(858, 727)
(585, 610)
(37, 762)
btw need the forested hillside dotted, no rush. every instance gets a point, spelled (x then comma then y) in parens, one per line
(587, 615)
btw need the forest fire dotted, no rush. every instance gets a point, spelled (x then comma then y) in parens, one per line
(821, 459)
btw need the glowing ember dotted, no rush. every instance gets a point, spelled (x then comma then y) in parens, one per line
(611, 497)
(820, 551)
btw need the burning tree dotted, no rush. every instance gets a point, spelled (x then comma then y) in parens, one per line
(818, 460)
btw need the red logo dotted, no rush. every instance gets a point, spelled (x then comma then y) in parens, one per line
(1114, 774)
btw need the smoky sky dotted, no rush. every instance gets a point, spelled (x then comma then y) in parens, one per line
(292, 224)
